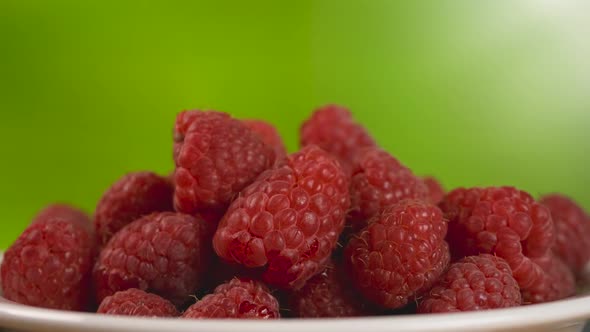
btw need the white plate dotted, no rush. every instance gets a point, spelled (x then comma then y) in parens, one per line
(567, 315)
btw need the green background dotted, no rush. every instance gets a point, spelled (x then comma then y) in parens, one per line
(475, 92)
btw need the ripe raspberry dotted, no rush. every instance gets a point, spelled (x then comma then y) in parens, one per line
(132, 196)
(572, 231)
(164, 253)
(135, 302)
(435, 189)
(269, 135)
(328, 294)
(558, 281)
(49, 266)
(288, 220)
(236, 299)
(61, 211)
(400, 254)
(380, 180)
(216, 157)
(333, 129)
(503, 221)
(473, 283)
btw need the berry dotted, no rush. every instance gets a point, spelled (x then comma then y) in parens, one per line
(135, 302)
(61, 211)
(269, 135)
(503, 221)
(236, 299)
(164, 253)
(400, 254)
(333, 129)
(49, 266)
(132, 196)
(328, 294)
(216, 157)
(380, 180)
(436, 191)
(473, 283)
(572, 231)
(288, 220)
(558, 281)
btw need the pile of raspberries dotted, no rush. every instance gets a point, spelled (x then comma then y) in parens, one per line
(340, 228)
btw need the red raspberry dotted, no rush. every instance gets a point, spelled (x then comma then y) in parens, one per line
(400, 254)
(558, 281)
(216, 157)
(269, 135)
(164, 253)
(503, 221)
(236, 299)
(473, 283)
(49, 266)
(435, 189)
(135, 302)
(61, 211)
(132, 196)
(380, 180)
(328, 294)
(288, 220)
(572, 231)
(333, 129)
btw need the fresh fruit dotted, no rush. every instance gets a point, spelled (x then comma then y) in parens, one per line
(328, 294)
(400, 254)
(572, 232)
(49, 266)
(473, 283)
(60, 211)
(164, 253)
(503, 221)
(132, 196)
(269, 135)
(236, 299)
(333, 129)
(558, 281)
(436, 192)
(135, 302)
(288, 220)
(216, 157)
(379, 180)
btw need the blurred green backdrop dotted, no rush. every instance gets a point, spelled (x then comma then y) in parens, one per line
(475, 92)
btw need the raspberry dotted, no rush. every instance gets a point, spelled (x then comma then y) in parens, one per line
(503, 221)
(132, 196)
(288, 220)
(269, 135)
(135, 302)
(164, 253)
(216, 157)
(49, 266)
(400, 254)
(380, 180)
(572, 231)
(435, 189)
(236, 299)
(473, 283)
(333, 129)
(328, 294)
(558, 281)
(61, 211)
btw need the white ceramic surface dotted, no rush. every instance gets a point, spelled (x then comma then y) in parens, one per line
(568, 315)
